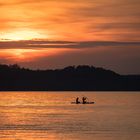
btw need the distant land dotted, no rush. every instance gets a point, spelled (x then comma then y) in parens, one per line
(71, 78)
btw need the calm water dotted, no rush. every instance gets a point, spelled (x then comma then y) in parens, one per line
(51, 116)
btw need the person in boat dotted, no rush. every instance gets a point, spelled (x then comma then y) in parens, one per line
(84, 100)
(77, 100)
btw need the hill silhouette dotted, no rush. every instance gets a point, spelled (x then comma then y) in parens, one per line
(72, 78)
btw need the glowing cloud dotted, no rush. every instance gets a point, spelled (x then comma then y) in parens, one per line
(22, 35)
(28, 55)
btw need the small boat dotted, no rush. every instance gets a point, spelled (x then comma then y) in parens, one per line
(82, 103)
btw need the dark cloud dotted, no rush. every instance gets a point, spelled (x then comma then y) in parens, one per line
(121, 60)
(62, 44)
(122, 26)
(108, 9)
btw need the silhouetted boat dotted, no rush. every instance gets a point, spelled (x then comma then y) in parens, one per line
(82, 103)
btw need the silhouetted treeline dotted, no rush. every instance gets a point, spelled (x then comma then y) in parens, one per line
(80, 78)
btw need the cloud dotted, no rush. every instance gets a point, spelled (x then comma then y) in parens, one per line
(103, 8)
(120, 59)
(121, 26)
(99, 32)
(63, 44)
(73, 19)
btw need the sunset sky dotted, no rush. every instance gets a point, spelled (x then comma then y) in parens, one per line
(42, 34)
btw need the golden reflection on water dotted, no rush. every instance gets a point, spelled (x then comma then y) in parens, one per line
(51, 116)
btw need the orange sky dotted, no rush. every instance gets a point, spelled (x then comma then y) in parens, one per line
(69, 20)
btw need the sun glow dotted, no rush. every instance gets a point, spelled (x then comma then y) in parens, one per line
(23, 35)
(27, 55)
(18, 54)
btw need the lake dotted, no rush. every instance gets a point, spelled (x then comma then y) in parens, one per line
(51, 116)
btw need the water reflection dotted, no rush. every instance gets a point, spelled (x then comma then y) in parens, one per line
(42, 116)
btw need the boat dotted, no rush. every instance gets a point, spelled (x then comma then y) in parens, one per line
(82, 103)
